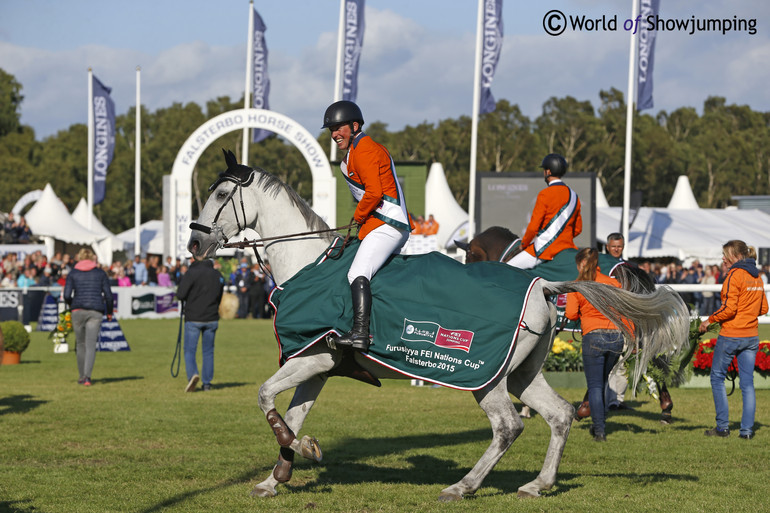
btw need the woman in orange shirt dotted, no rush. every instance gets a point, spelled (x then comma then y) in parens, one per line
(743, 300)
(602, 340)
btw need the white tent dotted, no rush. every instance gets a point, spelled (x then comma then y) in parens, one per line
(683, 198)
(601, 199)
(151, 239)
(49, 218)
(81, 215)
(439, 201)
(683, 230)
(686, 234)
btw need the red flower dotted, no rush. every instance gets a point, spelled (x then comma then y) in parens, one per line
(704, 356)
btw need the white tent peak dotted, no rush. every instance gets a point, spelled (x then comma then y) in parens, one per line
(81, 215)
(683, 198)
(50, 219)
(601, 199)
(439, 201)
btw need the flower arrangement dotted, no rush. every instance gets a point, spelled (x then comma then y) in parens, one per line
(63, 328)
(564, 356)
(704, 356)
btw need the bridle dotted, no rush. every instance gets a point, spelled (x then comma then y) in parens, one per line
(217, 230)
(221, 238)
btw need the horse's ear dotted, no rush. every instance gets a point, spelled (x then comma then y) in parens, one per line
(230, 160)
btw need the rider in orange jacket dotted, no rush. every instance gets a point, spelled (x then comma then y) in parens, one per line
(556, 219)
(381, 211)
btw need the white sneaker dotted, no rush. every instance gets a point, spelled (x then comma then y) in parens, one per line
(191, 385)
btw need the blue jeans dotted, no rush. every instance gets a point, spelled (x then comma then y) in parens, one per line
(745, 350)
(207, 332)
(601, 351)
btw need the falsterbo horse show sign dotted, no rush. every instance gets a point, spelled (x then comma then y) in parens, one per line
(177, 187)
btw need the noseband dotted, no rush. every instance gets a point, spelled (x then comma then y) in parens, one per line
(240, 183)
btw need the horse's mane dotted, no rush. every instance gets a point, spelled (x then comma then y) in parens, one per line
(273, 185)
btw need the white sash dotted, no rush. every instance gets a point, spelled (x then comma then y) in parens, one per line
(554, 228)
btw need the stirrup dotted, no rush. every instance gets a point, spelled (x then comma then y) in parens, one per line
(354, 341)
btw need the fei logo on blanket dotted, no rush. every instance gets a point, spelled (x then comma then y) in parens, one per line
(433, 333)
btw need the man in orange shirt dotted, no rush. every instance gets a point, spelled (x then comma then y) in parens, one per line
(555, 221)
(431, 226)
(381, 211)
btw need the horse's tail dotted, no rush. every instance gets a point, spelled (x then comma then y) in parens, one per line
(661, 319)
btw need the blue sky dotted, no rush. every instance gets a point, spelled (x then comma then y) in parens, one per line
(417, 60)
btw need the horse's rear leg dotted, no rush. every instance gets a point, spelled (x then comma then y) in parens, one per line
(557, 413)
(506, 426)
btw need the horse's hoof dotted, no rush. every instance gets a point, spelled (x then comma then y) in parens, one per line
(263, 491)
(310, 449)
(524, 494)
(449, 497)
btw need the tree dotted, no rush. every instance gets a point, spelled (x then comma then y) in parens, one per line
(10, 103)
(568, 126)
(506, 141)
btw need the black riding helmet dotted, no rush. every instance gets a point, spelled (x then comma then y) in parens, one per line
(342, 112)
(556, 163)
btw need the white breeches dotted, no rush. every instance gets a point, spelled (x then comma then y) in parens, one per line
(375, 249)
(524, 261)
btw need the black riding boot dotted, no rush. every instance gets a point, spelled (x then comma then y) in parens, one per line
(358, 336)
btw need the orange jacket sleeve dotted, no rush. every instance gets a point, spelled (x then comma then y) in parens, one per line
(536, 221)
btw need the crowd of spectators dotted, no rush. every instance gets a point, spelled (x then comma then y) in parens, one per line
(248, 282)
(35, 270)
(16, 231)
(704, 303)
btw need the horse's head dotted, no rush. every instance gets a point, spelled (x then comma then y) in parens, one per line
(225, 213)
(491, 244)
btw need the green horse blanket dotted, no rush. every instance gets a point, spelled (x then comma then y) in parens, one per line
(432, 317)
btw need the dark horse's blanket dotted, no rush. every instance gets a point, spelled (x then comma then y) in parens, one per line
(433, 318)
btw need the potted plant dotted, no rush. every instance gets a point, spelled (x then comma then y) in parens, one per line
(16, 340)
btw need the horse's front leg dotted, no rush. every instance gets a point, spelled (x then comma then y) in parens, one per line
(302, 373)
(506, 427)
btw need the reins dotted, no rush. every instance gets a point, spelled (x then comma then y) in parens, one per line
(222, 240)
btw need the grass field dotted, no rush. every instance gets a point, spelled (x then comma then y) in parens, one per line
(135, 442)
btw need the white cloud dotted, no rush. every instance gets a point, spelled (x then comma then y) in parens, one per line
(409, 73)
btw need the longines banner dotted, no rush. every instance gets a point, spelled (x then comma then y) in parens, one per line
(10, 300)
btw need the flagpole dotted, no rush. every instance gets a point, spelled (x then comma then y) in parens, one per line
(338, 72)
(475, 121)
(247, 87)
(138, 168)
(90, 148)
(629, 128)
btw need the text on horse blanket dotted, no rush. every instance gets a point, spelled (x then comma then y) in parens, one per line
(432, 318)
